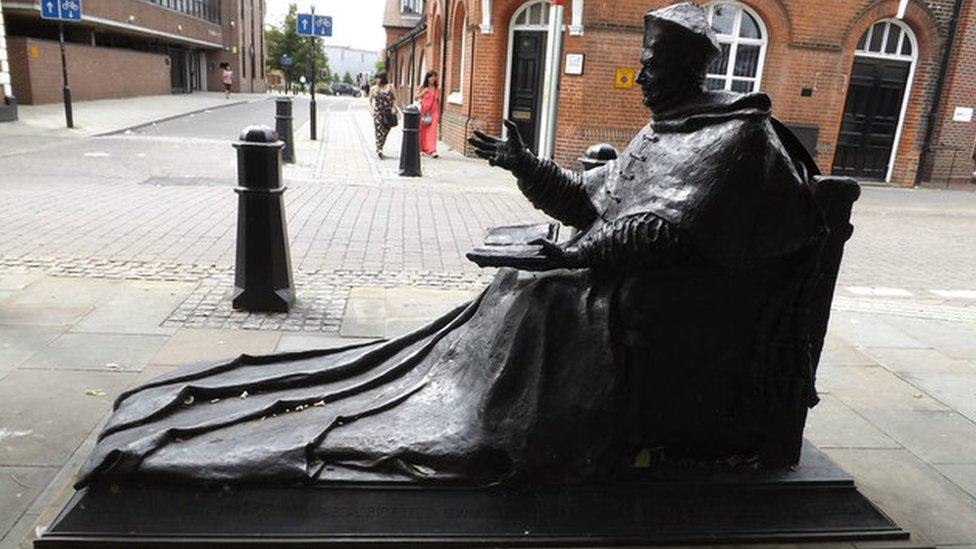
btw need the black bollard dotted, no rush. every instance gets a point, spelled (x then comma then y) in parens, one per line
(283, 125)
(262, 278)
(598, 155)
(410, 148)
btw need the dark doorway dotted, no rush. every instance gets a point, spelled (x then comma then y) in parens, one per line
(179, 70)
(871, 116)
(525, 98)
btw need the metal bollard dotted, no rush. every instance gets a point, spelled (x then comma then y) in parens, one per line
(262, 277)
(283, 126)
(410, 148)
(598, 155)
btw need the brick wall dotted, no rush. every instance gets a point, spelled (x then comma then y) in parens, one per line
(951, 155)
(94, 73)
(810, 44)
(241, 22)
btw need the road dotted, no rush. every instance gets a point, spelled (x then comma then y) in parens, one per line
(226, 123)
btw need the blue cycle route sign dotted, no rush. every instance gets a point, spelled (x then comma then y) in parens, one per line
(323, 25)
(286, 61)
(304, 24)
(68, 10)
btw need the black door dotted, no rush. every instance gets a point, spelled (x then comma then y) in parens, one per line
(871, 114)
(179, 71)
(525, 98)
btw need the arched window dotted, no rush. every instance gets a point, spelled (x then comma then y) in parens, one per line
(742, 36)
(459, 42)
(534, 15)
(888, 38)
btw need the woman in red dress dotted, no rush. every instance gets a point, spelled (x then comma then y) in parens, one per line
(430, 113)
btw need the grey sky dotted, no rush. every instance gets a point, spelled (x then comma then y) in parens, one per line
(356, 23)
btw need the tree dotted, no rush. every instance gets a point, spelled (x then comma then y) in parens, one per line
(347, 78)
(285, 40)
(380, 66)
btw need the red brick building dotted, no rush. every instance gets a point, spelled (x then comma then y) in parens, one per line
(866, 84)
(124, 48)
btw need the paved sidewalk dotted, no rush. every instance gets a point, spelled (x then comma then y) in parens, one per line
(110, 115)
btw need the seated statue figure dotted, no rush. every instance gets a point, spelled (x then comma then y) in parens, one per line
(673, 320)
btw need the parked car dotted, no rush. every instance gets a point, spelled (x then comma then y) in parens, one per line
(341, 88)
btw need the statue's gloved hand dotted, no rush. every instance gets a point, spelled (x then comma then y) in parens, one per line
(510, 153)
(561, 257)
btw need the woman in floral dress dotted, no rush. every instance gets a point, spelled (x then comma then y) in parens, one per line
(382, 99)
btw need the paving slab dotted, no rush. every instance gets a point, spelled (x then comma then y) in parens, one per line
(65, 292)
(838, 352)
(934, 437)
(303, 342)
(106, 352)
(831, 424)
(955, 390)
(954, 339)
(138, 307)
(962, 475)
(196, 345)
(19, 486)
(18, 343)
(51, 412)
(41, 315)
(14, 282)
(390, 312)
(873, 388)
(909, 361)
(919, 498)
(864, 330)
(21, 535)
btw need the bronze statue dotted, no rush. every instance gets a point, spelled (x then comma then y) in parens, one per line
(677, 319)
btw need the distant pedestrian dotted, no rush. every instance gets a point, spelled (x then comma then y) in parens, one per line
(227, 77)
(430, 113)
(383, 107)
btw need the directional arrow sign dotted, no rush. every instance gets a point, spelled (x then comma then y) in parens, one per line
(304, 24)
(50, 9)
(323, 25)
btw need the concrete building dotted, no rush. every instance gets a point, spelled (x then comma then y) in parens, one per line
(877, 89)
(124, 48)
(360, 64)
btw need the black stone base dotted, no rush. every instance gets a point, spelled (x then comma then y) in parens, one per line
(817, 502)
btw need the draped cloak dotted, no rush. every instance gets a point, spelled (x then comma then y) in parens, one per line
(545, 377)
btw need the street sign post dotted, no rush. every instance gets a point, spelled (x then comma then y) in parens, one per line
(313, 26)
(61, 11)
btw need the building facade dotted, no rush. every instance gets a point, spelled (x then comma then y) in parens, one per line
(125, 48)
(8, 103)
(359, 64)
(881, 90)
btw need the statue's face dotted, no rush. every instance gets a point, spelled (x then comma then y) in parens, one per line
(663, 81)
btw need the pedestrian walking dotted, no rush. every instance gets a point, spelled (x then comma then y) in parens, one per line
(430, 113)
(227, 77)
(382, 105)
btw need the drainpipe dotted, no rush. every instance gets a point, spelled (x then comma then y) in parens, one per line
(413, 68)
(474, 37)
(939, 85)
(443, 71)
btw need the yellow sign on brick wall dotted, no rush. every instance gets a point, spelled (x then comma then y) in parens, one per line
(624, 79)
(34, 52)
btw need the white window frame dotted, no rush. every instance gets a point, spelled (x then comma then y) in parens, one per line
(512, 27)
(456, 97)
(906, 33)
(417, 5)
(734, 40)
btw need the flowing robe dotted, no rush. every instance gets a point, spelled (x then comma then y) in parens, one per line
(697, 243)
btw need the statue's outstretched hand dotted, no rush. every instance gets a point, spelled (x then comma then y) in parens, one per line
(507, 153)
